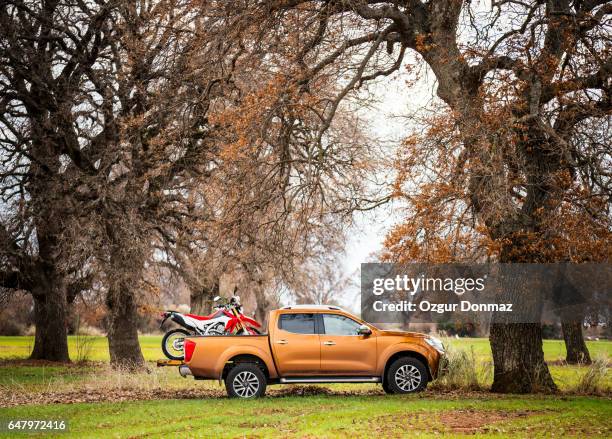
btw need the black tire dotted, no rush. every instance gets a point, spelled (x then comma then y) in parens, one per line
(406, 375)
(169, 351)
(246, 381)
(385, 386)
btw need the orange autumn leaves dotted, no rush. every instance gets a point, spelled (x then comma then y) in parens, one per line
(247, 124)
(433, 177)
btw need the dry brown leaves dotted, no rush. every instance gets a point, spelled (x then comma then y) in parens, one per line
(107, 395)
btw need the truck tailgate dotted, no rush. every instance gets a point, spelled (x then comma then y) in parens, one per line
(212, 352)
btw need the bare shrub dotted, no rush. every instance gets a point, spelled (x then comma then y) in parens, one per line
(84, 343)
(11, 328)
(148, 379)
(464, 372)
(593, 381)
(15, 315)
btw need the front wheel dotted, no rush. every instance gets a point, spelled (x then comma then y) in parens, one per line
(245, 380)
(172, 343)
(386, 387)
(406, 375)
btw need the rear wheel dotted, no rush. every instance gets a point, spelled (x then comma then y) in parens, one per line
(172, 343)
(406, 375)
(245, 380)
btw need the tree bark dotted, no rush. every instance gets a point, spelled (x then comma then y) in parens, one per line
(123, 344)
(51, 338)
(518, 359)
(576, 349)
(201, 301)
(49, 291)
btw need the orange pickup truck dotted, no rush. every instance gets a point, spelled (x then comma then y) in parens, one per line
(315, 344)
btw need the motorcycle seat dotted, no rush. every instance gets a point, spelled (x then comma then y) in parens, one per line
(208, 317)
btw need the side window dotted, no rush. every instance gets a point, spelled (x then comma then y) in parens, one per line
(339, 325)
(297, 323)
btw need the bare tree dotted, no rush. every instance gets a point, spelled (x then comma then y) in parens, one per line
(168, 64)
(46, 50)
(322, 282)
(104, 130)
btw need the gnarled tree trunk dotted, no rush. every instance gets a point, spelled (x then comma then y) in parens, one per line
(122, 335)
(576, 349)
(519, 359)
(50, 310)
(49, 290)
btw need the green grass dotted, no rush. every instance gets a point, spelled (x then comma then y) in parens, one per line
(20, 347)
(553, 349)
(41, 376)
(343, 411)
(332, 416)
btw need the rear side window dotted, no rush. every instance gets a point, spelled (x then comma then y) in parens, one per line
(297, 323)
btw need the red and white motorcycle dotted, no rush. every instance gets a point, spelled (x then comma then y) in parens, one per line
(227, 319)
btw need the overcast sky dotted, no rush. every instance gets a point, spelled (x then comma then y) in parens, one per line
(390, 123)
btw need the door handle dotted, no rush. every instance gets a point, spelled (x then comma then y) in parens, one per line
(282, 342)
(329, 343)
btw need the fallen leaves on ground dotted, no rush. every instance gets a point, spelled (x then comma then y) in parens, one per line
(106, 395)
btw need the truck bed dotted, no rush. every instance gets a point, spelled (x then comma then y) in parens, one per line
(212, 352)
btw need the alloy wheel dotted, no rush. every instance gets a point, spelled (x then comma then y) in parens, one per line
(408, 377)
(246, 384)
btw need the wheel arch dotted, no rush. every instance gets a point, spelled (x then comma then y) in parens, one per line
(408, 353)
(245, 358)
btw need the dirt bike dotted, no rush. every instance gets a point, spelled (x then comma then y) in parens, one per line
(226, 319)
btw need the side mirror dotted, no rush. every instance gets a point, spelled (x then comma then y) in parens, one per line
(217, 298)
(364, 330)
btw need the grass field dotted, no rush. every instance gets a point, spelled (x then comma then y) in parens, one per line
(98, 401)
(332, 416)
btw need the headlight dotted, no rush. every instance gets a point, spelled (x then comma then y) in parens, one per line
(435, 343)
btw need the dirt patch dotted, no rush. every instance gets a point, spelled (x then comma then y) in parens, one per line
(468, 421)
(112, 395)
(477, 421)
(314, 390)
(301, 391)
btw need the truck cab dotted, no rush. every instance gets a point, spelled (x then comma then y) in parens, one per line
(315, 344)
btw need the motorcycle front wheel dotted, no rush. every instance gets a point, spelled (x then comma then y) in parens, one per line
(172, 343)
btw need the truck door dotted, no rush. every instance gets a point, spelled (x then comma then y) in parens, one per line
(296, 345)
(343, 351)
